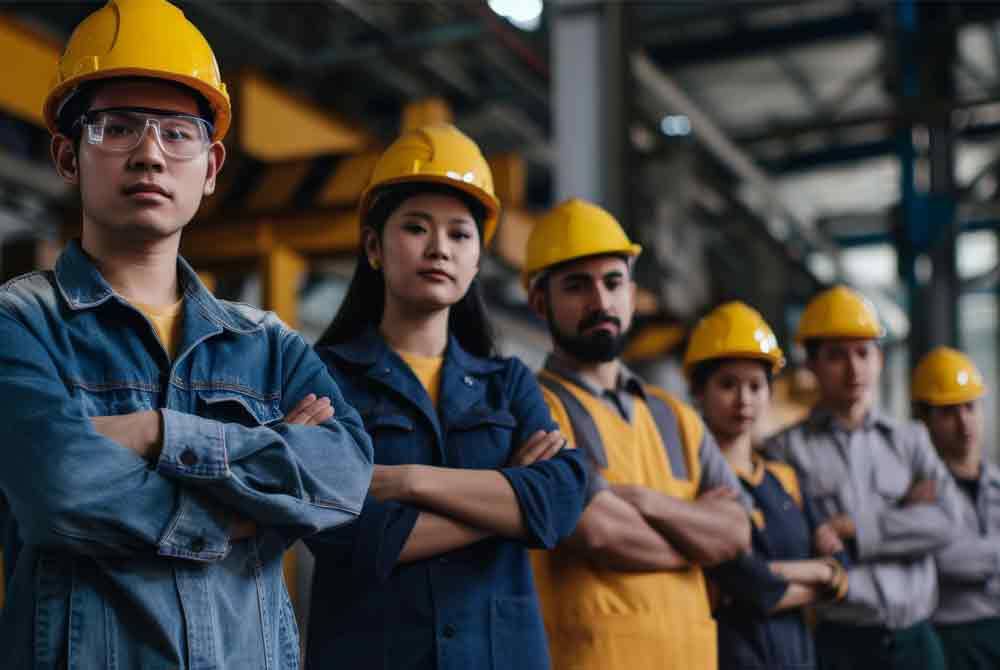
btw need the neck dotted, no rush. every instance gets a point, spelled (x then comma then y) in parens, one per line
(851, 415)
(965, 466)
(139, 271)
(603, 375)
(421, 333)
(738, 451)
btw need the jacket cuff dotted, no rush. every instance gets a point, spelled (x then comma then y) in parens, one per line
(383, 529)
(193, 448)
(198, 531)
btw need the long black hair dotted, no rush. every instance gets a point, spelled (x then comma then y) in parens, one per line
(365, 299)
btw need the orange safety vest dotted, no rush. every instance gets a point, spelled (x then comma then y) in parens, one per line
(600, 619)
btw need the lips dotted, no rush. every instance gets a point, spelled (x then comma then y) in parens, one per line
(146, 187)
(435, 273)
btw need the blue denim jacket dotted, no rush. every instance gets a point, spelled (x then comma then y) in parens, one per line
(127, 564)
(471, 608)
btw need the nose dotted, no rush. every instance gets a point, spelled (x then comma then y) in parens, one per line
(148, 155)
(438, 243)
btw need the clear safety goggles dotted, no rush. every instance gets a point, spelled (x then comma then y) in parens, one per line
(122, 129)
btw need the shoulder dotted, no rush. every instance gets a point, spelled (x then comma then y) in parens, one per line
(687, 417)
(248, 317)
(786, 477)
(35, 291)
(787, 436)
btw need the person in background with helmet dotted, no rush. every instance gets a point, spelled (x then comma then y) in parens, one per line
(947, 393)
(627, 590)
(151, 462)
(470, 469)
(730, 362)
(880, 486)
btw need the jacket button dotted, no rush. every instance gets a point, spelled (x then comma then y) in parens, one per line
(449, 631)
(468, 380)
(198, 544)
(188, 457)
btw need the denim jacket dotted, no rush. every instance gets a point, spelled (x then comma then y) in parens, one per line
(130, 565)
(474, 607)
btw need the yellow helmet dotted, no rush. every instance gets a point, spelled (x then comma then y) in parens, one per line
(733, 330)
(573, 229)
(438, 154)
(139, 38)
(946, 376)
(839, 312)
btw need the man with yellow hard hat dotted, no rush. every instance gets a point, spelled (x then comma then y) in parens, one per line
(162, 448)
(879, 484)
(947, 393)
(627, 590)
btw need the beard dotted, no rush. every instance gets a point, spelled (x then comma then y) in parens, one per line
(598, 347)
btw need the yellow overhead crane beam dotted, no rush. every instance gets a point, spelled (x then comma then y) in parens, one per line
(31, 60)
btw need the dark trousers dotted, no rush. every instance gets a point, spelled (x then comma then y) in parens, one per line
(840, 647)
(972, 646)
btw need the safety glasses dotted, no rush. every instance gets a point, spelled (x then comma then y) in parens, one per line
(122, 129)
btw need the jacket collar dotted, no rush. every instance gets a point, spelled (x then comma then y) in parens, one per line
(83, 287)
(821, 418)
(627, 382)
(370, 349)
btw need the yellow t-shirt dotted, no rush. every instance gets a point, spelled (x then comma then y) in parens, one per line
(428, 370)
(167, 323)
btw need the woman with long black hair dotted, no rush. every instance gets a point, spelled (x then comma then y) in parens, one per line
(471, 470)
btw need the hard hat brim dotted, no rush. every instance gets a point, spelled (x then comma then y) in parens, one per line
(528, 276)
(217, 100)
(487, 200)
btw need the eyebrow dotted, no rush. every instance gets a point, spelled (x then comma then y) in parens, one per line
(429, 218)
(586, 276)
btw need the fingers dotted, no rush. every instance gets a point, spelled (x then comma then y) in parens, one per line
(311, 411)
(539, 447)
(719, 493)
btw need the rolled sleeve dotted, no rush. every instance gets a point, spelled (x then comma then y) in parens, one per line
(372, 544)
(749, 580)
(550, 495)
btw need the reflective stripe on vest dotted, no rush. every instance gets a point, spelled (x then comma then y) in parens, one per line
(588, 438)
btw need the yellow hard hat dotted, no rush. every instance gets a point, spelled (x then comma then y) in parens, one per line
(839, 312)
(573, 229)
(733, 330)
(139, 38)
(946, 376)
(438, 154)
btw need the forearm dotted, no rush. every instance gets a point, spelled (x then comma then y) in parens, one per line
(613, 535)
(707, 532)
(904, 531)
(480, 498)
(797, 595)
(970, 560)
(434, 534)
(809, 572)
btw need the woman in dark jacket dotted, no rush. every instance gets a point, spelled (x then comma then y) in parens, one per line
(794, 562)
(471, 470)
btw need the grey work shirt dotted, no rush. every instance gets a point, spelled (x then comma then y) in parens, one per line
(865, 473)
(969, 568)
(715, 470)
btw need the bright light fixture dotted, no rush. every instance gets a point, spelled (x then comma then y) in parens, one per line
(525, 14)
(674, 125)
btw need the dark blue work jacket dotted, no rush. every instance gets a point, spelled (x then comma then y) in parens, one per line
(474, 607)
(750, 637)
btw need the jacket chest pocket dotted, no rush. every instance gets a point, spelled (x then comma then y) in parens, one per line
(482, 439)
(115, 399)
(394, 437)
(233, 407)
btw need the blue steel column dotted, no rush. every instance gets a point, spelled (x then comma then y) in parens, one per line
(927, 229)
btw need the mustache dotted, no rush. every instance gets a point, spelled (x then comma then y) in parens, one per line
(596, 319)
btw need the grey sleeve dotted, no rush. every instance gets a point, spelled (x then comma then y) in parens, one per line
(971, 559)
(912, 530)
(715, 470)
